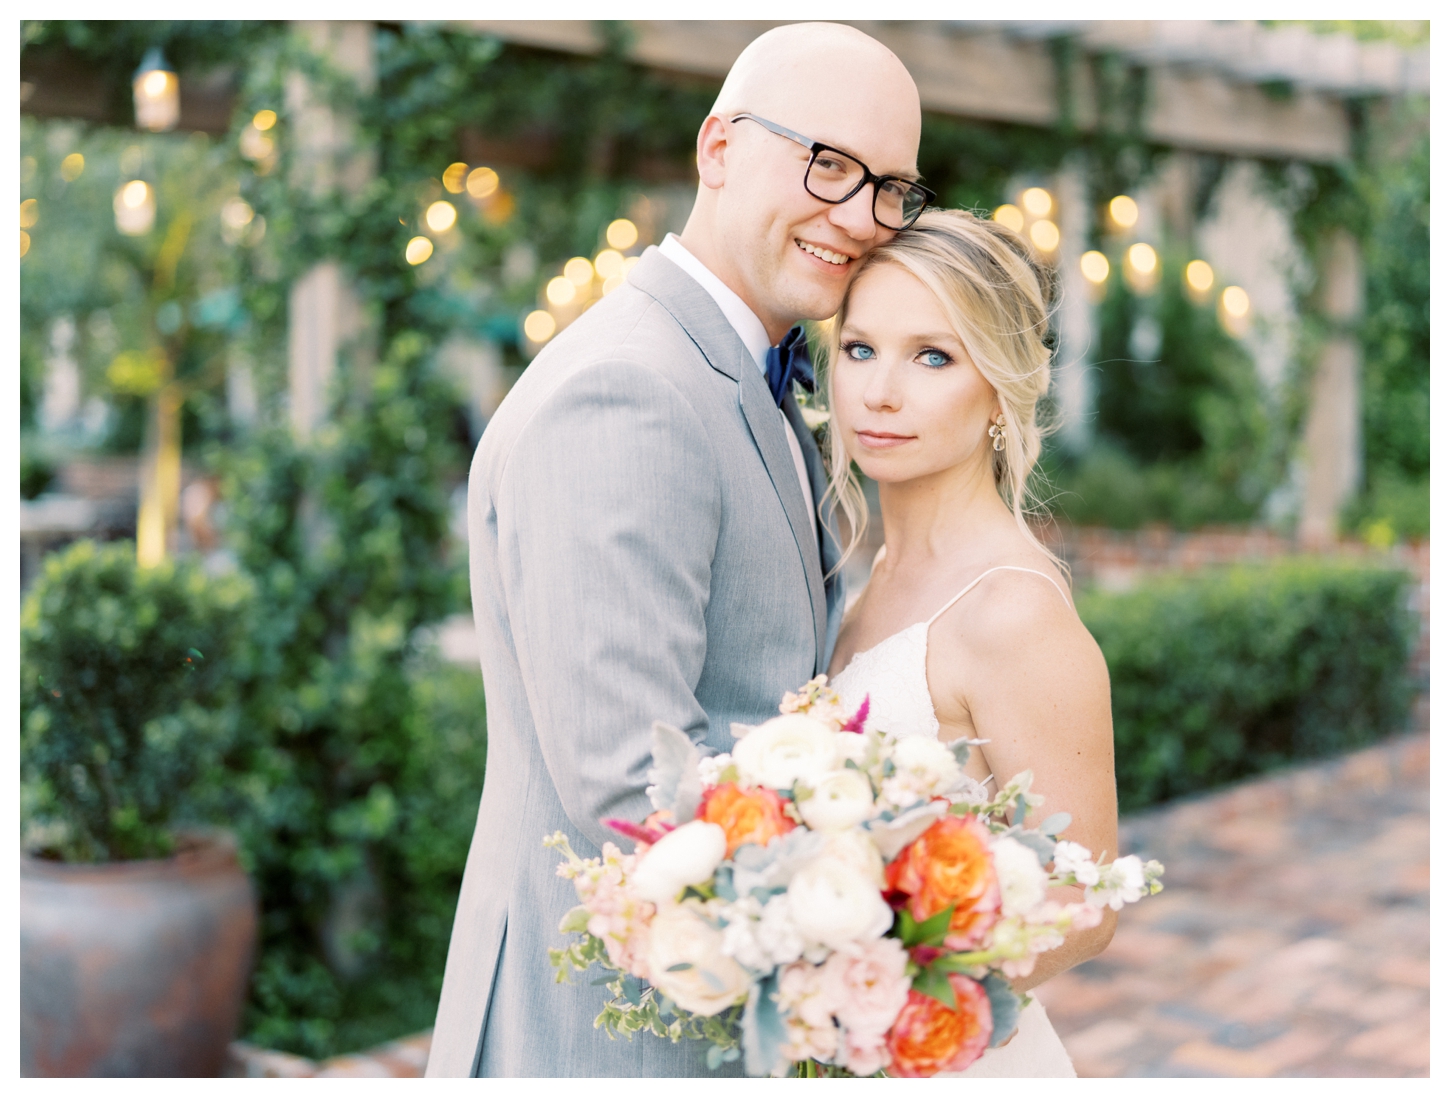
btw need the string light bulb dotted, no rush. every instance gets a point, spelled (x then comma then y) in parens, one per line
(418, 250)
(607, 264)
(1142, 268)
(540, 326)
(441, 216)
(1233, 310)
(135, 208)
(1123, 211)
(1142, 258)
(579, 271)
(1199, 276)
(1235, 301)
(621, 234)
(482, 182)
(560, 291)
(1095, 267)
(453, 178)
(1045, 236)
(156, 93)
(1037, 202)
(1009, 216)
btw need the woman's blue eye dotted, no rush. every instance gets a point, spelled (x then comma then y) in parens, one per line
(935, 358)
(859, 351)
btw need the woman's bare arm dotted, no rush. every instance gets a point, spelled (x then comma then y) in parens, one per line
(1019, 669)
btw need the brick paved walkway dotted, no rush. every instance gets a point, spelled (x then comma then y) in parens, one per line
(1293, 938)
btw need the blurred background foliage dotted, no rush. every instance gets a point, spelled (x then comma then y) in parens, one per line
(1226, 673)
(346, 755)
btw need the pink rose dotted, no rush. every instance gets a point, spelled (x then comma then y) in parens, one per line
(866, 1055)
(866, 984)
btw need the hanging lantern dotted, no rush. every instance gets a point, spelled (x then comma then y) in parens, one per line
(157, 93)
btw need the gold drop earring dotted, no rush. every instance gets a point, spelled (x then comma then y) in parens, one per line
(998, 433)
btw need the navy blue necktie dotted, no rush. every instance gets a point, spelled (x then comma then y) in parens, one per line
(788, 361)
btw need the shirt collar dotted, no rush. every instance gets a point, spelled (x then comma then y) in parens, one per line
(746, 324)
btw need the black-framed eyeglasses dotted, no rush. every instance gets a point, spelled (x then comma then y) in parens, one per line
(835, 177)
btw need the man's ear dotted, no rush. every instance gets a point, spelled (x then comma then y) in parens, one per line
(710, 152)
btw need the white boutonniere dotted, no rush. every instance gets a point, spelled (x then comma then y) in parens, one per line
(815, 418)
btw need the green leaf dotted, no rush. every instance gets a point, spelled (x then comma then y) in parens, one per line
(932, 981)
(931, 931)
(575, 922)
(1055, 824)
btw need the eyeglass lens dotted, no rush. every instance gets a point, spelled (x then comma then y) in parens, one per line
(832, 177)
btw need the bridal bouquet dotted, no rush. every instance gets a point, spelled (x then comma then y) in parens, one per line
(829, 900)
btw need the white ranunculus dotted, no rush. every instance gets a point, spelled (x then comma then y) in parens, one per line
(687, 855)
(1075, 859)
(1020, 876)
(927, 760)
(851, 747)
(833, 900)
(838, 800)
(786, 749)
(704, 981)
(854, 847)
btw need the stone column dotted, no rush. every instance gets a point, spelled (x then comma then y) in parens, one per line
(1074, 319)
(324, 313)
(1333, 454)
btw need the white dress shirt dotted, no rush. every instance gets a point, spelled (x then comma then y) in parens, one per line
(751, 332)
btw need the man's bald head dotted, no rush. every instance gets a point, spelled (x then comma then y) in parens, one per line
(806, 76)
(787, 253)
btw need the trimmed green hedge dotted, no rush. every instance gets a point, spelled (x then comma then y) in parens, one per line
(1225, 673)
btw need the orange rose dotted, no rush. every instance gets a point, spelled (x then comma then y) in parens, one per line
(949, 864)
(928, 1038)
(747, 815)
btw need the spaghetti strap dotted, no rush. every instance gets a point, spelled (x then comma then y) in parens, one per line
(988, 572)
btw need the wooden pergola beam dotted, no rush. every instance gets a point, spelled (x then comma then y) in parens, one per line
(991, 75)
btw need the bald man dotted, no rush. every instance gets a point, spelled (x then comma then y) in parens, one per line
(645, 529)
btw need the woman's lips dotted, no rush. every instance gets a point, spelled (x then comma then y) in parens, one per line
(881, 440)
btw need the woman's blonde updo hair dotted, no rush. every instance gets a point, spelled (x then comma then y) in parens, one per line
(999, 301)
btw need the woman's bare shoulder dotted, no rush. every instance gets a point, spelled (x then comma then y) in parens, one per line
(1019, 615)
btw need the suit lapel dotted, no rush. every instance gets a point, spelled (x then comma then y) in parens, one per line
(763, 417)
(828, 543)
(697, 313)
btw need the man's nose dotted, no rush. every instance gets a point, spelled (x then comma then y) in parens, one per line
(854, 216)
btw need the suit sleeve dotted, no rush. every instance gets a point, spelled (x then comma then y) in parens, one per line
(608, 516)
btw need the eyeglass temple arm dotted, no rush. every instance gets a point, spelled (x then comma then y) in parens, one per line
(799, 139)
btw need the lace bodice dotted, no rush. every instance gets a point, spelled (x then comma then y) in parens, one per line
(894, 673)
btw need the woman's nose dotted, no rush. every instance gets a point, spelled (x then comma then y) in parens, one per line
(882, 394)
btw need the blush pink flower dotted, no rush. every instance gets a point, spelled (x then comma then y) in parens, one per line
(617, 916)
(866, 1055)
(811, 1032)
(866, 984)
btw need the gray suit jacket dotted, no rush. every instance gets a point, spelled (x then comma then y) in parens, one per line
(640, 550)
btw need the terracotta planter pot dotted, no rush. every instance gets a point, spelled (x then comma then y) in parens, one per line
(134, 968)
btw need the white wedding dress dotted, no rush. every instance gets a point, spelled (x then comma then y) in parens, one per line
(894, 674)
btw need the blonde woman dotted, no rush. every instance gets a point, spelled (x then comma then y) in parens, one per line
(967, 626)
